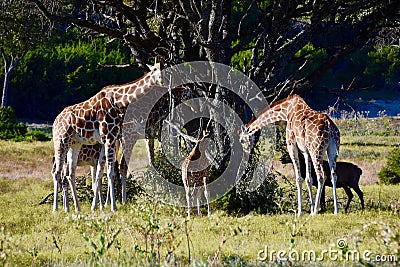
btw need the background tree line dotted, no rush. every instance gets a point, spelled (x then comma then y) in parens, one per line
(68, 71)
(283, 45)
(50, 78)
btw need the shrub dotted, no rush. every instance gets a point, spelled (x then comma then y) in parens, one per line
(10, 127)
(262, 200)
(36, 135)
(390, 174)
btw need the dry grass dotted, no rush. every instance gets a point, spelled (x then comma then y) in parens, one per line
(25, 160)
(19, 160)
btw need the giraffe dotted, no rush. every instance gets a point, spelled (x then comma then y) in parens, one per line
(311, 132)
(196, 171)
(96, 120)
(91, 154)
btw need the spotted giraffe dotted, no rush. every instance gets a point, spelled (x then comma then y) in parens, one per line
(196, 172)
(133, 130)
(311, 132)
(96, 120)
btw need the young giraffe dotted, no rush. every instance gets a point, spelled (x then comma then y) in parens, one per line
(96, 120)
(307, 130)
(90, 154)
(195, 172)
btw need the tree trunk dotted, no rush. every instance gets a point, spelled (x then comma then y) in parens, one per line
(8, 67)
(5, 88)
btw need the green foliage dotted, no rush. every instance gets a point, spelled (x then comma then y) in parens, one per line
(242, 60)
(36, 135)
(314, 56)
(262, 200)
(98, 233)
(384, 62)
(48, 79)
(158, 235)
(358, 124)
(164, 168)
(22, 27)
(6, 246)
(390, 174)
(10, 127)
(60, 242)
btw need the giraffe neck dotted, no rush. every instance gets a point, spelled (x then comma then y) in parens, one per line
(267, 117)
(125, 94)
(282, 110)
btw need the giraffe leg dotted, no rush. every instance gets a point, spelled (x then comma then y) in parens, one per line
(187, 189)
(332, 156)
(64, 187)
(110, 159)
(207, 195)
(293, 152)
(309, 181)
(127, 147)
(56, 186)
(322, 201)
(72, 163)
(59, 159)
(97, 177)
(117, 176)
(93, 172)
(317, 161)
(123, 172)
(150, 150)
(93, 175)
(197, 195)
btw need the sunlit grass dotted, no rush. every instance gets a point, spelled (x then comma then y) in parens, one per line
(43, 237)
(370, 140)
(34, 235)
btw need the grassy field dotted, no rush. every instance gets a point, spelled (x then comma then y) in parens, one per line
(147, 232)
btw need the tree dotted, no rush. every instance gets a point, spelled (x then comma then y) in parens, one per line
(267, 32)
(22, 28)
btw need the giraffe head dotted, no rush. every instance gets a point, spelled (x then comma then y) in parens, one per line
(155, 74)
(246, 139)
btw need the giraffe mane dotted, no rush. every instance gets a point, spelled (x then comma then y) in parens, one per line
(124, 84)
(271, 106)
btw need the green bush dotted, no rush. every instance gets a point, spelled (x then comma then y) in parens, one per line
(263, 199)
(10, 127)
(36, 135)
(390, 174)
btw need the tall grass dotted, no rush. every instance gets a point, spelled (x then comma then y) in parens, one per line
(148, 232)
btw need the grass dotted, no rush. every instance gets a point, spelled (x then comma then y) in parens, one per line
(146, 233)
(145, 230)
(25, 159)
